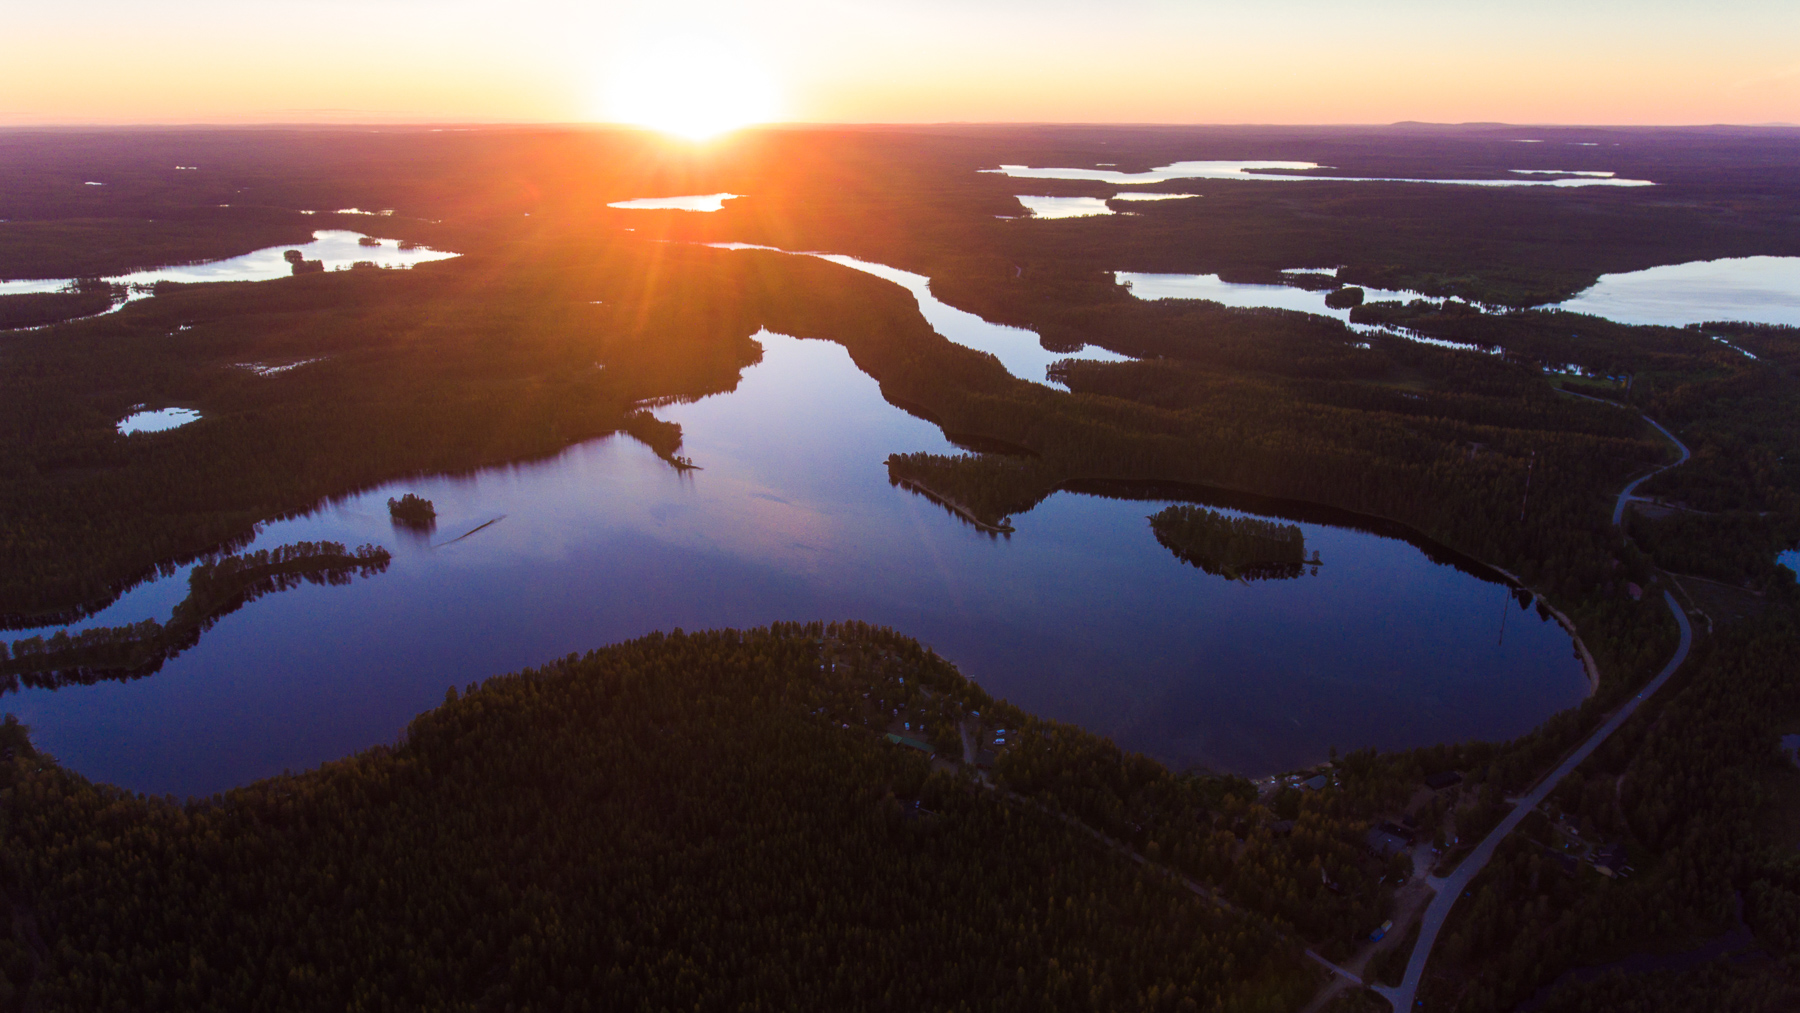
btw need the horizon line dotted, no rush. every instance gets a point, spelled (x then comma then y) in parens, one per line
(444, 124)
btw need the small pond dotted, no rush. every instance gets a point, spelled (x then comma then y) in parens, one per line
(157, 421)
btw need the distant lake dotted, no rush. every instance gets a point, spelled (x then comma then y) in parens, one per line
(1080, 615)
(1289, 172)
(691, 202)
(1065, 207)
(1277, 297)
(336, 249)
(1763, 290)
(160, 420)
(1018, 349)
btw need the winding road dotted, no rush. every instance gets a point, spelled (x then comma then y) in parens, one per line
(1451, 888)
(1628, 495)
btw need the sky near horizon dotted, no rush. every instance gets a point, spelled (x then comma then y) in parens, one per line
(1165, 61)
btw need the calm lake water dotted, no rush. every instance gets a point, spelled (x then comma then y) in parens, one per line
(1763, 290)
(1080, 615)
(691, 202)
(1065, 207)
(1018, 349)
(1279, 297)
(338, 249)
(1284, 171)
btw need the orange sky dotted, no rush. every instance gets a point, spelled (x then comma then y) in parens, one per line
(1304, 61)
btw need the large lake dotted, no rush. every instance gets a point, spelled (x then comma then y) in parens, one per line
(1080, 615)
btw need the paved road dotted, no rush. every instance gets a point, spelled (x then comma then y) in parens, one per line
(1451, 887)
(1630, 490)
(1626, 496)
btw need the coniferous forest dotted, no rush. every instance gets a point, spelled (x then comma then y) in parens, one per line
(830, 816)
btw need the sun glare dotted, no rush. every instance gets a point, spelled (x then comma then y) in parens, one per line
(691, 87)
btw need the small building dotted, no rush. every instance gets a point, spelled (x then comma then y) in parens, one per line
(1610, 861)
(911, 743)
(1316, 782)
(1282, 828)
(1443, 779)
(1385, 844)
(1390, 827)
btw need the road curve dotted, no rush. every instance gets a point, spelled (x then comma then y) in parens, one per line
(1625, 495)
(1451, 887)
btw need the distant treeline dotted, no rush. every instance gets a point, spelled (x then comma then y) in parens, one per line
(1236, 548)
(215, 589)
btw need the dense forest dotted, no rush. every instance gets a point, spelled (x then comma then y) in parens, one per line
(1698, 793)
(716, 821)
(685, 820)
(84, 299)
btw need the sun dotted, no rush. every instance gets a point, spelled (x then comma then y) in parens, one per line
(693, 87)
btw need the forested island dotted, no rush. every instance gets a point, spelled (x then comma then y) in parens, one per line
(1236, 548)
(412, 509)
(982, 489)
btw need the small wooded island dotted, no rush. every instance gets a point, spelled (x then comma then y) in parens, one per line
(1236, 548)
(412, 509)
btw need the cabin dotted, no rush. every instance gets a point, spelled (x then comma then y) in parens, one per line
(911, 743)
(1316, 783)
(1610, 861)
(1384, 843)
(1443, 779)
